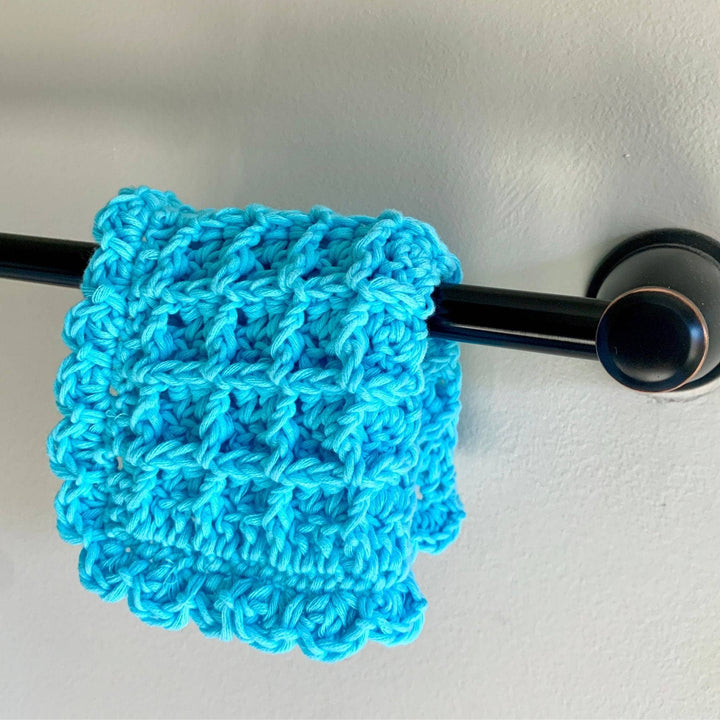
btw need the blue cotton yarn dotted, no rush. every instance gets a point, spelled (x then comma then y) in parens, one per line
(258, 432)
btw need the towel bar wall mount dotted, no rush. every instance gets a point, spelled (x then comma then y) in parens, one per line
(651, 314)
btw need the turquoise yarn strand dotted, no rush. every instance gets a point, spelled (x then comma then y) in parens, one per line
(257, 432)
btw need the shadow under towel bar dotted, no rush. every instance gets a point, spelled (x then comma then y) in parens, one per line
(652, 315)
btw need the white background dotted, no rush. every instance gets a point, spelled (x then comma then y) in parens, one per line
(533, 135)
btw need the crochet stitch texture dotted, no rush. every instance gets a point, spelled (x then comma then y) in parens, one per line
(258, 432)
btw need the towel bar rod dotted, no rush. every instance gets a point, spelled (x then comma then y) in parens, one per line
(487, 316)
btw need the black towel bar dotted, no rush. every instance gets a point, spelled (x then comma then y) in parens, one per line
(652, 315)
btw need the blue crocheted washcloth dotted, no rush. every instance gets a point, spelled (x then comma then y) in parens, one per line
(258, 432)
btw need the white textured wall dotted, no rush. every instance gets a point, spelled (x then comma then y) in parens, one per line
(533, 134)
